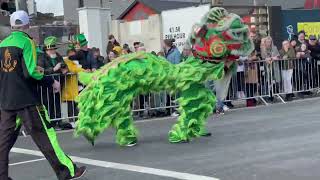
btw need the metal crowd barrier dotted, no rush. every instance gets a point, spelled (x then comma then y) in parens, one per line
(295, 76)
(253, 80)
(61, 105)
(250, 81)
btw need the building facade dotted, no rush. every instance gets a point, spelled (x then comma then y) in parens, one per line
(71, 6)
(285, 4)
(32, 7)
(119, 6)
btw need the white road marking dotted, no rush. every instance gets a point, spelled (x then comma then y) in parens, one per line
(126, 167)
(25, 162)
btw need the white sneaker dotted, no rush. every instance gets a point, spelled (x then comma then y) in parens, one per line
(175, 114)
(132, 144)
(225, 108)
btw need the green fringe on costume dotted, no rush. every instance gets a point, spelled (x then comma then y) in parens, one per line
(106, 100)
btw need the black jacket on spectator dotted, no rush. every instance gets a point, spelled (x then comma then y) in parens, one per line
(315, 51)
(48, 64)
(86, 59)
(100, 61)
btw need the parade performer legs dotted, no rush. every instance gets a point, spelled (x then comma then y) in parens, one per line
(19, 77)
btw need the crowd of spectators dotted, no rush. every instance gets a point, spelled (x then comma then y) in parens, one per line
(292, 68)
(266, 64)
(81, 58)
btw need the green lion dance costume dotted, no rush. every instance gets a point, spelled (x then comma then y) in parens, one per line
(106, 101)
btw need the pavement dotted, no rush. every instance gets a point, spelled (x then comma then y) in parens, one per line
(276, 142)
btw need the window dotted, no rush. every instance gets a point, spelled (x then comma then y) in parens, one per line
(81, 3)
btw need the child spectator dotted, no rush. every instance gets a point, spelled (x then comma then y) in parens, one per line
(126, 49)
(136, 46)
(112, 43)
(100, 59)
(112, 55)
(71, 90)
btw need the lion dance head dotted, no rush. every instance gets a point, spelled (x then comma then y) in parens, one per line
(221, 36)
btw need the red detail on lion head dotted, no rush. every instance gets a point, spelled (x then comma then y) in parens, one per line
(232, 58)
(206, 45)
(226, 36)
(234, 46)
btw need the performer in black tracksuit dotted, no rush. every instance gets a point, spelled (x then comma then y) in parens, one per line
(19, 77)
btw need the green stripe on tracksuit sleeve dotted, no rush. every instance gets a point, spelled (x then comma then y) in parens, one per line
(18, 123)
(63, 158)
(30, 60)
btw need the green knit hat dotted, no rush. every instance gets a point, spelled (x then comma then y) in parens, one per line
(39, 50)
(81, 40)
(50, 43)
(71, 46)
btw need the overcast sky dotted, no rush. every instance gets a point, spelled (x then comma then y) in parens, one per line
(50, 6)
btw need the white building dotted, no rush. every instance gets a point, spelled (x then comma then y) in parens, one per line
(70, 8)
(32, 7)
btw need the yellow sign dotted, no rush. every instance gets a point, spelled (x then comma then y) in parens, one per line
(311, 28)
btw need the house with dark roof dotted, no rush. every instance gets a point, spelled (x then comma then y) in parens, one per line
(142, 9)
(119, 6)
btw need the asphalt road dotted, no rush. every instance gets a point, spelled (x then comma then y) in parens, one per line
(277, 142)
